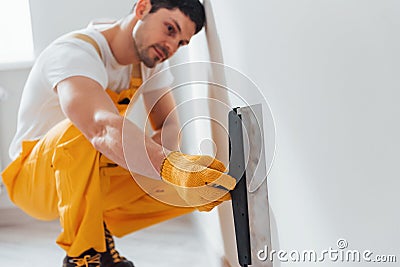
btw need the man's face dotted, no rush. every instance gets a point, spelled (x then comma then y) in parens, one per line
(158, 35)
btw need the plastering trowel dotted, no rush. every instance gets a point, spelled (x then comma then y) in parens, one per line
(250, 197)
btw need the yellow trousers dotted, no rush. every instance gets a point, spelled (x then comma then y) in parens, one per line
(63, 176)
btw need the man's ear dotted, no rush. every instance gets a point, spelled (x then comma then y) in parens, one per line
(142, 8)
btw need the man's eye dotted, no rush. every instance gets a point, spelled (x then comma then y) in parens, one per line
(170, 29)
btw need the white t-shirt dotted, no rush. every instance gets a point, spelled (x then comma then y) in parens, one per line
(67, 56)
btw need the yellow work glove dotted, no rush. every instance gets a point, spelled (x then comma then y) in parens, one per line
(195, 178)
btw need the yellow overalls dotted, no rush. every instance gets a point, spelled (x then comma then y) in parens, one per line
(63, 176)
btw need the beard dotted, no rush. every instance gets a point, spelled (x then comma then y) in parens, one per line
(150, 61)
(147, 60)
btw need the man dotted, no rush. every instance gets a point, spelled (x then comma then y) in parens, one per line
(68, 152)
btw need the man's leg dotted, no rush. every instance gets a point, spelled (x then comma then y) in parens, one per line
(59, 177)
(80, 193)
(132, 204)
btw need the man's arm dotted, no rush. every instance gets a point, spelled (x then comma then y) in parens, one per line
(90, 109)
(160, 106)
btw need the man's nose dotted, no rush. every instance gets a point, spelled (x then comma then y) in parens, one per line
(172, 46)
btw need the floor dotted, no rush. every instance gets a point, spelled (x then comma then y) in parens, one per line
(25, 242)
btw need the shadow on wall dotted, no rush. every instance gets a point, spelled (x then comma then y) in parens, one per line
(3, 97)
(12, 82)
(274, 236)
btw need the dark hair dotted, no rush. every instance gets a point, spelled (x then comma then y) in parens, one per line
(191, 8)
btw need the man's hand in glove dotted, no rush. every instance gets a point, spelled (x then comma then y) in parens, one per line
(199, 180)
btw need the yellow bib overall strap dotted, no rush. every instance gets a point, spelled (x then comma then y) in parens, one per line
(89, 40)
(123, 98)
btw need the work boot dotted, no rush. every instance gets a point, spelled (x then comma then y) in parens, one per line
(90, 258)
(111, 257)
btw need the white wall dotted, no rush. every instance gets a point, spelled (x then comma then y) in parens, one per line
(51, 19)
(330, 71)
(12, 81)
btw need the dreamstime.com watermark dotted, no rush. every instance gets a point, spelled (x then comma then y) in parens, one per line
(339, 254)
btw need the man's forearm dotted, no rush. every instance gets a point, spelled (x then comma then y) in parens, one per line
(126, 144)
(167, 137)
(98, 119)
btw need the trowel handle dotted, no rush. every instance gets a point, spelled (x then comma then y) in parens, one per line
(239, 194)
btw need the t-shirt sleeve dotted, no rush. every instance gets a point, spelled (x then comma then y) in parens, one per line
(68, 59)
